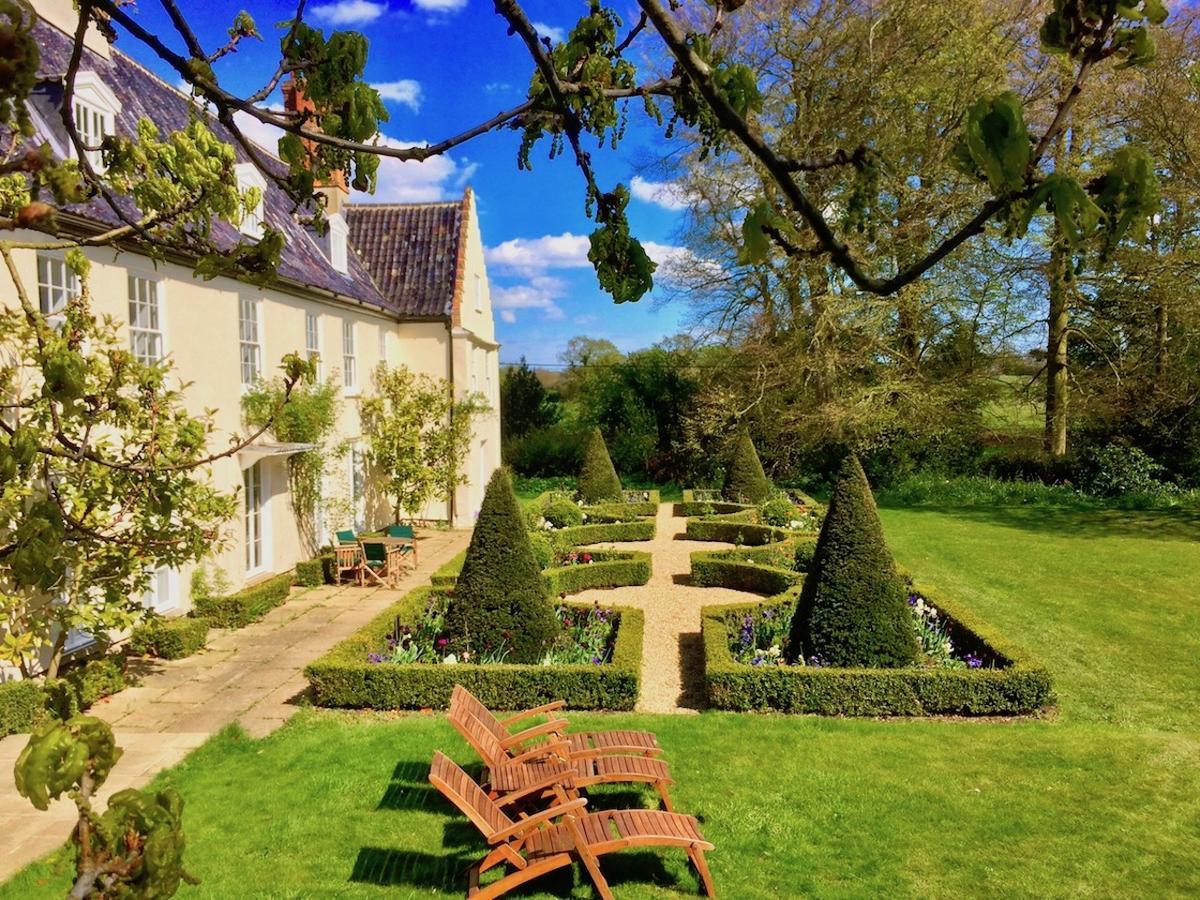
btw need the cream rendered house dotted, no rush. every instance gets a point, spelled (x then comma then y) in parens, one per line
(414, 292)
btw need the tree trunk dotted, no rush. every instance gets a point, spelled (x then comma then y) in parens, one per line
(56, 653)
(1057, 275)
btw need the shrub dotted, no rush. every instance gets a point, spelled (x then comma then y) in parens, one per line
(778, 511)
(1013, 685)
(852, 609)
(170, 638)
(615, 532)
(543, 550)
(607, 570)
(734, 531)
(310, 572)
(21, 703)
(745, 480)
(725, 569)
(96, 679)
(250, 605)
(547, 452)
(500, 599)
(803, 557)
(598, 479)
(562, 513)
(345, 678)
(1116, 469)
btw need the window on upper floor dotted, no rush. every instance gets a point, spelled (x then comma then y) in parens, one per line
(250, 339)
(312, 340)
(248, 177)
(145, 320)
(383, 344)
(487, 375)
(335, 240)
(95, 109)
(349, 359)
(473, 368)
(56, 285)
(478, 293)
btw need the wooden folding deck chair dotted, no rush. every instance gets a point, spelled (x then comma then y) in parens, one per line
(559, 836)
(617, 741)
(347, 557)
(523, 775)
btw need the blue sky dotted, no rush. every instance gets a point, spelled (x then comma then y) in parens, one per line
(441, 66)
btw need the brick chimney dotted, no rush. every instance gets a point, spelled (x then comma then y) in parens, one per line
(334, 190)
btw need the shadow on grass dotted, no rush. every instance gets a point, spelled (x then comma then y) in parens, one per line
(447, 872)
(409, 788)
(1153, 524)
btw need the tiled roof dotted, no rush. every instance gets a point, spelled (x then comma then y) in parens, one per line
(142, 94)
(412, 250)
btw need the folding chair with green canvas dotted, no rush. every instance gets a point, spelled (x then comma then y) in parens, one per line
(406, 536)
(561, 835)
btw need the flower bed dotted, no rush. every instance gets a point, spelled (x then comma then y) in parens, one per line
(347, 676)
(569, 524)
(610, 533)
(968, 668)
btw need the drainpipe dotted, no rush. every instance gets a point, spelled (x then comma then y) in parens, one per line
(450, 352)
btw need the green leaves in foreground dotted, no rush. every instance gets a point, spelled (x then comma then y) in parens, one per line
(623, 267)
(135, 849)
(995, 143)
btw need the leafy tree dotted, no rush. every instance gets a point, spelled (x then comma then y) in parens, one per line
(852, 609)
(745, 480)
(598, 480)
(499, 601)
(525, 404)
(103, 476)
(418, 436)
(135, 847)
(309, 417)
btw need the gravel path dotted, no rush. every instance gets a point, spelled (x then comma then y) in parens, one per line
(672, 652)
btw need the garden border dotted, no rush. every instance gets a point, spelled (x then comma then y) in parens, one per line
(1020, 685)
(343, 677)
(606, 572)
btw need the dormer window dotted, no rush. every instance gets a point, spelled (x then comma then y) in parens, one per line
(249, 177)
(335, 242)
(96, 109)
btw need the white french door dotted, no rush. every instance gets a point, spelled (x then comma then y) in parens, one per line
(253, 517)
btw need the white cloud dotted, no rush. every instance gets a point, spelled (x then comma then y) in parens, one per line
(410, 181)
(556, 34)
(541, 292)
(440, 6)
(349, 12)
(528, 256)
(666, 194)
(405, 91)
(266, 136)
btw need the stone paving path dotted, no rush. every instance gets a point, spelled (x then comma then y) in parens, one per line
(672, 652)
(253, 675)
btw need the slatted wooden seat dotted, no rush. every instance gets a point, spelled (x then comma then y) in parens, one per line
(561, 835)
(620, 741)
(514, 770)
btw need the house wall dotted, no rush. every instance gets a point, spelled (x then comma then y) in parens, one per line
(201, 337)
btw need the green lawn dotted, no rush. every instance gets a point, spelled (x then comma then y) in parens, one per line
(1100, 800)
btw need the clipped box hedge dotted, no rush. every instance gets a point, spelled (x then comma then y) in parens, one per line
(344, 677)
(1015, 684)
(714, 568)
(609, 569)
(691, 508)
(613, 532)
(170, 638)
(21, 705)
(246, 606)
(312, 572)
(735, 530)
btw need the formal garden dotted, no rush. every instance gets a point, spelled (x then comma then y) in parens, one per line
(872, 574)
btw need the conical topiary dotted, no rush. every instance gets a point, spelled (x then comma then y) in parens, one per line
(852, 609)
(745, 480)
(500, 598)
(598, 481)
